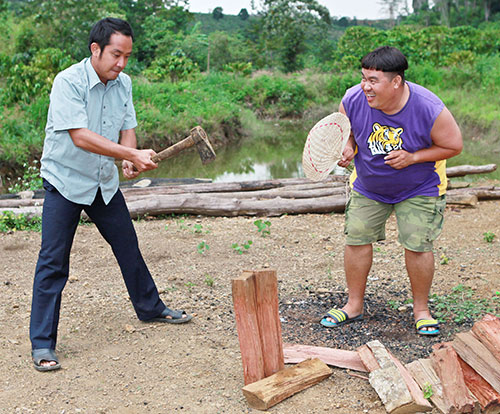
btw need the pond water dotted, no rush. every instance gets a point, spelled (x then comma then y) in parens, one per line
(277, 153)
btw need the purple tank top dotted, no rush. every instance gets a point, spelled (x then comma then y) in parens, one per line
(376, 134)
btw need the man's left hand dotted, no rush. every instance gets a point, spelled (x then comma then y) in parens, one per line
(399, 159)
(128, 170)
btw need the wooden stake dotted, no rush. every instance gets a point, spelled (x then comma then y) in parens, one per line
(269, 391)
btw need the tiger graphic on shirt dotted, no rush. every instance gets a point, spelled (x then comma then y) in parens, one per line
(384, 139)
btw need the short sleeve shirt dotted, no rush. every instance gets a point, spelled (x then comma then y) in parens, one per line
(80, 100)
(377, 134)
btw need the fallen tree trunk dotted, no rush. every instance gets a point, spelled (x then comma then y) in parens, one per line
(219, 206)
(253, 198)
(463, 170)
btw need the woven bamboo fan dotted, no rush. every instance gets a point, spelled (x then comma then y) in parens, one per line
(324, 146)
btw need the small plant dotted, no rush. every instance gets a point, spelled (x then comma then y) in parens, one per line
(428, 392)
(263, 227)
(240, 249)
(444, 259)
(394, 304)
(489, 237)
(181, 224)
(190, 286)
(202, 247)
(209, 281)
(30, 180)
(198, 229)
(10, 222)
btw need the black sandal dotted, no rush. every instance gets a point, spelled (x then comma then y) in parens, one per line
(45, 355)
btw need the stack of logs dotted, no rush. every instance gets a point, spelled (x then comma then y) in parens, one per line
(265, 198)
(461, 376)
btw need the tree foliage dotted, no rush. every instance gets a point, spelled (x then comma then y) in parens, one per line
(217, 13)
(285, 24)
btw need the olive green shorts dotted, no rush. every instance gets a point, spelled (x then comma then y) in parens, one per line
(420, 221)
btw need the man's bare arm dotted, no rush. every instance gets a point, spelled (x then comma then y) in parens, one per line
(90, 141)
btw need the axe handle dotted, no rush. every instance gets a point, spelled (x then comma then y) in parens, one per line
(174, 149)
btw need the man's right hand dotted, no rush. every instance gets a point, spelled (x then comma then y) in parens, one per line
(347, 157)
(142, 160)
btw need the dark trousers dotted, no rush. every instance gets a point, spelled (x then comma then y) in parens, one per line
(60, 219)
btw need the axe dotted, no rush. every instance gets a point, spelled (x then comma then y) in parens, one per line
(197, 137)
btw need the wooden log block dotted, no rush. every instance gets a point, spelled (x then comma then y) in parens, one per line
(487, 397)
(456, 395)
(391, 384)
(266, 295)
(487, 330)
(334, 357)
(472, 351)
(245, 310)
(269, 391)
(464, 199)
(426, 377)
(369, 360)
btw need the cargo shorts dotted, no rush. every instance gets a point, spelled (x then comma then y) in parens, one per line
(420, 221)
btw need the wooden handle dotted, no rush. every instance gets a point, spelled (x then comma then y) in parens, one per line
(174, 149)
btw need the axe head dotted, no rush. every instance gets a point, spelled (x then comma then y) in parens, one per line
(200, 138)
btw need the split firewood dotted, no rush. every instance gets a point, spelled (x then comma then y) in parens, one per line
(394, 384)
(472, 351)
(247, 324)
(487, 397)
(456, 394)
(369, 360)
(426, 377)
(266, 296)
(255, 298)
(269, 391)
(487, 330)
(330, 356)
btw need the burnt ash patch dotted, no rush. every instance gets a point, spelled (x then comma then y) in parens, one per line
(395, 329)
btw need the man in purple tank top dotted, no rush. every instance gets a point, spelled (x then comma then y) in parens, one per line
(401, 136)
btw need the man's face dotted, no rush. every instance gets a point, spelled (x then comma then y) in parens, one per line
(113, 58)
(380, 88)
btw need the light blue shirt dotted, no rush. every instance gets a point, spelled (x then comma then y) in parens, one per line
(80, 100)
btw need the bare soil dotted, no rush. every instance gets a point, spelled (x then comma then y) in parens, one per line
(113, 363)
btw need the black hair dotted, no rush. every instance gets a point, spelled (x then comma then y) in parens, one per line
(386, 59)
(104, 28)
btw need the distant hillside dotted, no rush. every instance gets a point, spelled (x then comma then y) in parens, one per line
(229, 23)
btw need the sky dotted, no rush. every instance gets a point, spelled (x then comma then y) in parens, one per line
(361, 9)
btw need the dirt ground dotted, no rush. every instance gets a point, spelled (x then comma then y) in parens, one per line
(113, 363)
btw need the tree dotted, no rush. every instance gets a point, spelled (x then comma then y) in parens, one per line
(65, 24)
(217, 13)
(243, 14)
(285, 25)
